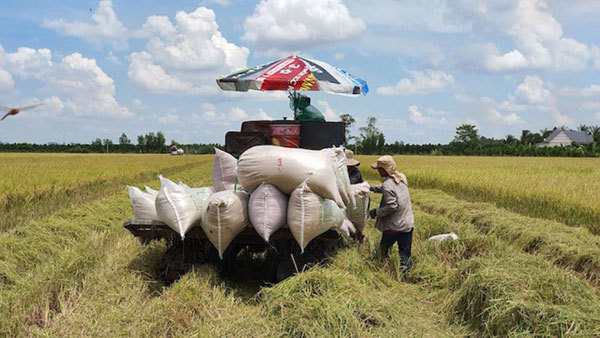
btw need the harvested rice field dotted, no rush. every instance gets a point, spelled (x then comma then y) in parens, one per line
(527, 262)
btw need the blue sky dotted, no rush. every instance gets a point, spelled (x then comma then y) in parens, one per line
(106, 67)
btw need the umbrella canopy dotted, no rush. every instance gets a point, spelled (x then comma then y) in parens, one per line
(295, 73)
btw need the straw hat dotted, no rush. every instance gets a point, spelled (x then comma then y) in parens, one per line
(350, 158)
(387, 163)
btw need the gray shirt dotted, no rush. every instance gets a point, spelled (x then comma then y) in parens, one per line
(395, 212)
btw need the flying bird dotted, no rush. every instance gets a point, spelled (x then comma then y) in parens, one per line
(15, 111)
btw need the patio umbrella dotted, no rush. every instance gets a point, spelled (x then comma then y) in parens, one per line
(295, 73)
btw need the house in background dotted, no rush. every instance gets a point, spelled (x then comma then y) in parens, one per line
(561, 137)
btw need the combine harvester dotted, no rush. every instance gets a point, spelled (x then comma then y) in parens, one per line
(308, 130)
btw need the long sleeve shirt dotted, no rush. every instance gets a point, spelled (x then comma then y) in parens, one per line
(395, 211)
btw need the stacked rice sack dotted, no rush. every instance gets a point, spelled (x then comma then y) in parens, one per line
(317, 183)
(267, 188)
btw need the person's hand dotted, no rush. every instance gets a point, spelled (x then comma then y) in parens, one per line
(373, 213)
(372, 189)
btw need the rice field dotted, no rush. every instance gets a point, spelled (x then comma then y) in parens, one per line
(72, 270)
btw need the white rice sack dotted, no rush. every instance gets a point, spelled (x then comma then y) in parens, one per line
(151, 191)
(226, 217)
(267, 210)
(342, 178)
(347, 228)
(223, 171)
(143, 205)
(287, 168)
(309, 215)
(179, 208)
(359, 213)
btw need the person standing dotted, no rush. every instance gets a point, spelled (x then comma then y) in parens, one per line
(395, 217)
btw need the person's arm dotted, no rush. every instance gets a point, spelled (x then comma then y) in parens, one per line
(390, 202)
(376, 188)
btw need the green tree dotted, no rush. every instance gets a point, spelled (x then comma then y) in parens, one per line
(96, 145)
(369, 136)
(124, 140)
(348, 121)
(467, 134)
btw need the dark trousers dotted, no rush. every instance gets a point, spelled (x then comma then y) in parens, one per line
(404, 240)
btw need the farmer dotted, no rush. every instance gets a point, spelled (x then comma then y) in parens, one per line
(355, 178)
(353, 171)
(394, 217)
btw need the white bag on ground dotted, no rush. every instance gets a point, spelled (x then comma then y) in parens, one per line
(223, 171)
(143, 205)
(287, 168)
(267, 210)
(343, 180)
(179, 208)
(443, 237)
(309, 215)
(359, 213)
(347, 228)
(226, 217)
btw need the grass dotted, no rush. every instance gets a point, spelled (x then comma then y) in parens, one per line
(562, 189)
(77, 272)
(36, 185)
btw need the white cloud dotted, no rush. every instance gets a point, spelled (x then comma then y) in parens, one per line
(294, 25)
(149, 76)
(106, 27)
(430, 81)
(338, 56)
(184, 57)
(169, 117)
(6, 81)
(417, 117)
(537, 35)
(495, 116)
(532, 91)
(592, 90)
(328, 112)
(262, 115)
(113, 58)
(76, 81)
(237, 114)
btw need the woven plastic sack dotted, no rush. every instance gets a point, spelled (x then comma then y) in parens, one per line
(226, 217)
(223, 171)
(180, 208)
(287, 168)
(342, 178)
(309, 215)
(143, 205)
(151, 191)
(267, 210)
(359, 213)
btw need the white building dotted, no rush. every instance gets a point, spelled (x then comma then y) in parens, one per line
(561, 137)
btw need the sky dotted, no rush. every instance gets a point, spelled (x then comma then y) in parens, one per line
(106, 67)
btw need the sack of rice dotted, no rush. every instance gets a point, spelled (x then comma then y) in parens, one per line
(342, 178)
(223, 171)
(309, 215)
(267, 210)
(151, 191)
(287, 168)
(359, 213)
(179, 208)
(347, 228)
(226, 217)
(143, 205)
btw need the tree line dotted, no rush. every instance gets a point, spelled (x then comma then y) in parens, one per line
(467, 141)
(148, 143)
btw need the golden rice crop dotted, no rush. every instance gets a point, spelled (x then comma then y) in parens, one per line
(565, 189)
(35, 185)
